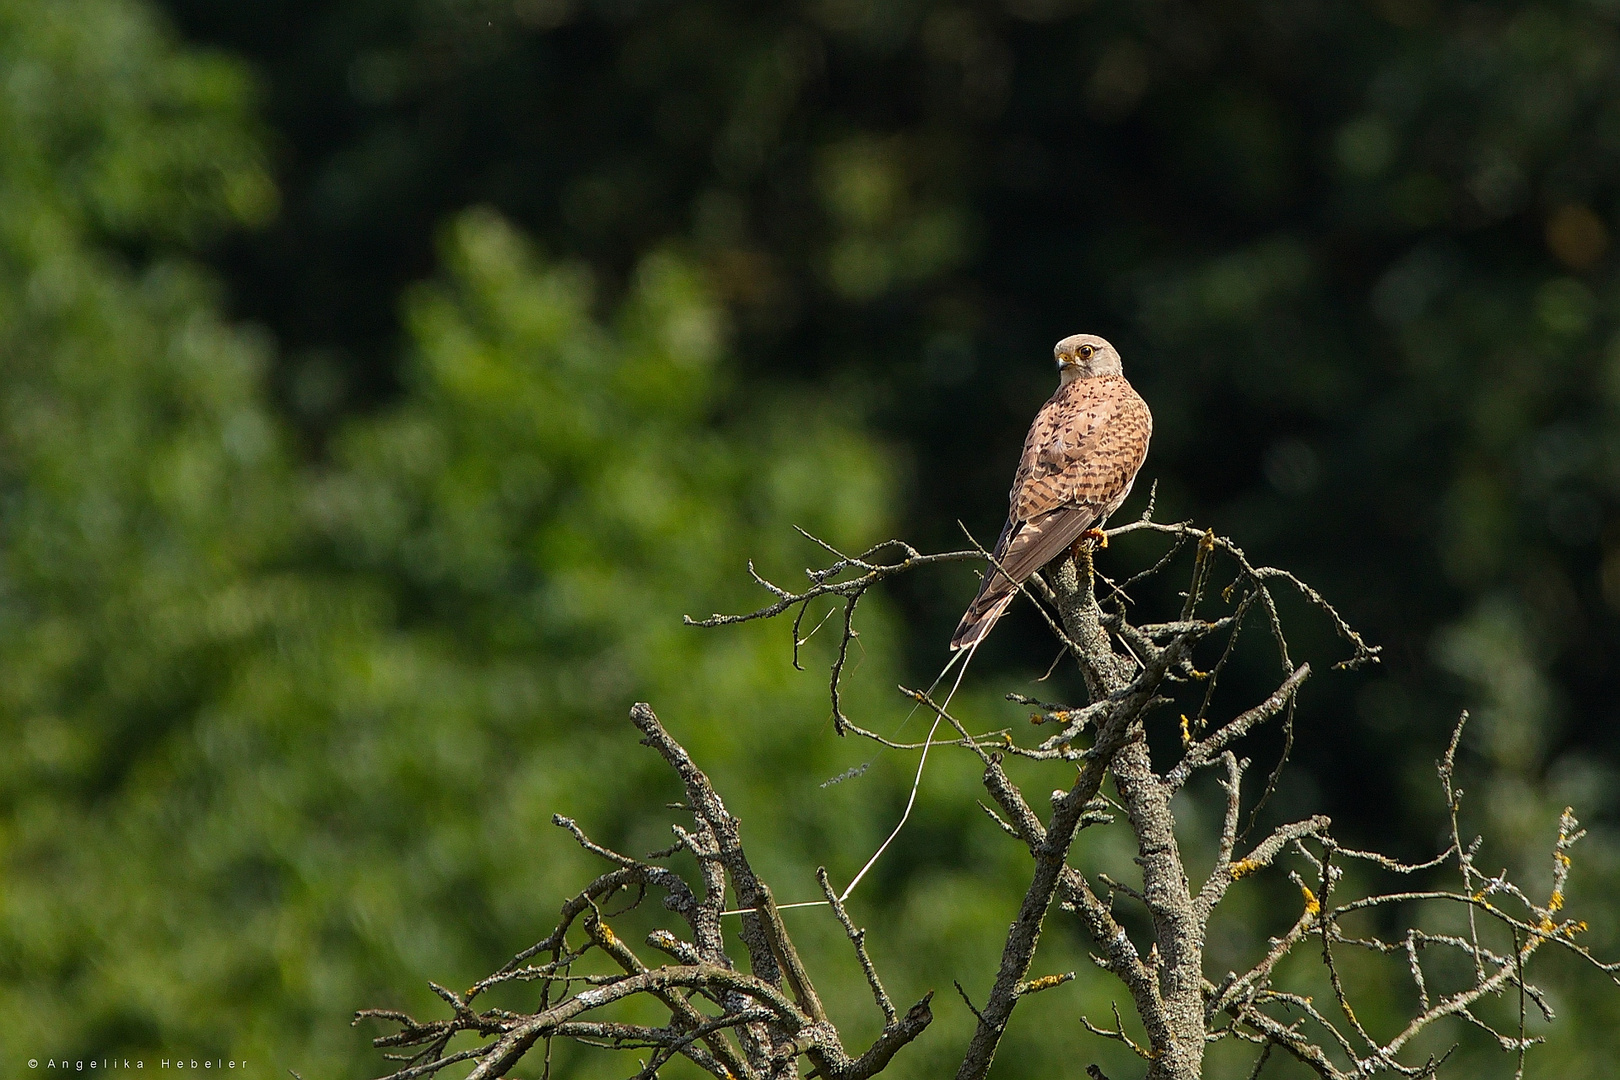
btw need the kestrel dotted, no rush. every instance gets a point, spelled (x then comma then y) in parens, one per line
(1080, 459)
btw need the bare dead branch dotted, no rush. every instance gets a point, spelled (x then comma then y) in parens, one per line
(1362, 652)
(858, 939)
(1117, 1033)
(758, 1025)
(767, 1018)
(1202, 753)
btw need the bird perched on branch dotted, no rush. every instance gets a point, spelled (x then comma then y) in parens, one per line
(1080, 459)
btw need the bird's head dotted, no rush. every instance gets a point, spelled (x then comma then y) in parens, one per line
(1080, 356)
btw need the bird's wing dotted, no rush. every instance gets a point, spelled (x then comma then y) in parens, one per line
(1083, 449)
(1025, 547)
(1080, 458)
(1041, 539)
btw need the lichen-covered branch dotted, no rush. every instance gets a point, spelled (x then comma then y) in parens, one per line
(765, 1021)
(1130, 670)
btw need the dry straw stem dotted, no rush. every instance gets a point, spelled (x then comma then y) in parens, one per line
(761, 1024)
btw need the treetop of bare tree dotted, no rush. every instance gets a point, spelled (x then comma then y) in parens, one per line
(762, 1022)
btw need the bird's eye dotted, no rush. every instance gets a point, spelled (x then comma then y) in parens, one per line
(1086, 351)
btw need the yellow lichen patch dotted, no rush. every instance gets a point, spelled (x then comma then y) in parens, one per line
(1312, 906)
(1556, 901)
(1045, 982)
(1546, 925)
(1186, 731)
(1563, 860)
(1244, 866)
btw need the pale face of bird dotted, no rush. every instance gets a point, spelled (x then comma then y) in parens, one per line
(1081, 356)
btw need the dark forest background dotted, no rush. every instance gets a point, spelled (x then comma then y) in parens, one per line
(384, 379)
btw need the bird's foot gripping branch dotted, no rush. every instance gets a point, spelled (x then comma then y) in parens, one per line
(761, 1024)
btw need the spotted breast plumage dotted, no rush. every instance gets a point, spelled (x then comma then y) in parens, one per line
(1079, 461)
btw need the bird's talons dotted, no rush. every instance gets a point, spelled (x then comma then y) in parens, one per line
(1098, 538)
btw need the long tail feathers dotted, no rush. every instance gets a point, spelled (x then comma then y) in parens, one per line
(980, 618)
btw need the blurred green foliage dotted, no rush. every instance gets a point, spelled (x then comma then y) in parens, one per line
(287, 740)
(340, 521)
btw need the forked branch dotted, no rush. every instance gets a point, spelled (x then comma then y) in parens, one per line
(1130, 670)
(761, 1024)
(728, 1023)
